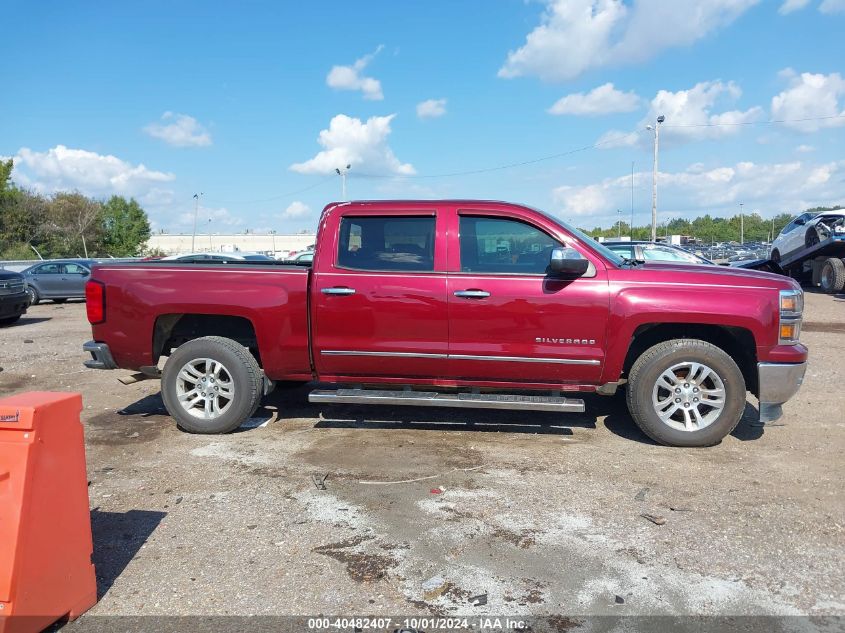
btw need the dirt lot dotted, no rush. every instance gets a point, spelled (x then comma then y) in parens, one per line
(540, 512)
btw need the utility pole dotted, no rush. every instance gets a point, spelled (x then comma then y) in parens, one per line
(772, 234)
(196, 211)
(342, 173)
(656, 129)
(741, 225)
(632, 200)
(273, 233)
(619, 215)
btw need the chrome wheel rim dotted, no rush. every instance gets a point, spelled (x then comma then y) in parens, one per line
(688, 396)
(204, 388)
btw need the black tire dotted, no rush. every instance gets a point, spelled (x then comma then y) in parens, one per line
(812, 237)
(10, 320)
(242, 369)
(60, 300)
(832, 279)
(34, 297)
(653, 362)
(776, 256)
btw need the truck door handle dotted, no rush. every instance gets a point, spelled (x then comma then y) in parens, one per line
(472, 294)
(338, 291)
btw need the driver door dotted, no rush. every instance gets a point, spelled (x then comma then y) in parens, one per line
(509, 320)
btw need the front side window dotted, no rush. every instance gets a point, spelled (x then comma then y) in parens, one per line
(496, 245)
(75, 269)
(48, 269)
(387, 243)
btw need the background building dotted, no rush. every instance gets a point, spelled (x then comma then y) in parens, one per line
(273, 244)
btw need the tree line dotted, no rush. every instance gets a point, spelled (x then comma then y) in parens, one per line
(67, 224)
(710, 229)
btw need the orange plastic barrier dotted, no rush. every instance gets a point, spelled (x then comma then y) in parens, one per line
(45, 524)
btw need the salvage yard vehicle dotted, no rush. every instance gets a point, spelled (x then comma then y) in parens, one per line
(57, 279)
(14, 299)
(812, 248)
(419, 303)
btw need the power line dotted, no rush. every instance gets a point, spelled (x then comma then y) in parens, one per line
(289, 194)
(485, 170)
(768, 122)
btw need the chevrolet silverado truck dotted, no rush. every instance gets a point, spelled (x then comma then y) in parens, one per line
(455, 303)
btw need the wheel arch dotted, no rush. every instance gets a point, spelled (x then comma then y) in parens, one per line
(737, 342)
(172, 330)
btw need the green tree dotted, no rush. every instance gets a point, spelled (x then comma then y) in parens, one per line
(124, 227)
(72, 224)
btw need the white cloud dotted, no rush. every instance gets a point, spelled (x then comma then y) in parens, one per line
(810, 96)
(350, 77)
(431, 108)
(577, 35)
(690, 116)
(792, 5)
(605, 99)
(718, 190)
(61, 168)
(295, 210)
(209, 219)
(349, 141)
(805, 149)
(179, 130)
(832, 6)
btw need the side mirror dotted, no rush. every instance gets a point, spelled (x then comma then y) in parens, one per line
(567, 262)
(800, 221)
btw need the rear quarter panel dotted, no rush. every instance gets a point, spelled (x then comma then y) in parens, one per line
(272, 298)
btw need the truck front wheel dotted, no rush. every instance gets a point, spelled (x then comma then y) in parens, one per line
(686, 392)
(211, 385)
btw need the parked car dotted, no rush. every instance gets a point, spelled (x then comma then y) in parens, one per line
(305, 257)
(807, 230)
(13, 297)
(649, 251)
(219, 257)
(418, 299)
(57, 279)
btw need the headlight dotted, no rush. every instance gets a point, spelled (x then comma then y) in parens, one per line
(791, 309)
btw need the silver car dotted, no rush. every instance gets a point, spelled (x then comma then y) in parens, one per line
(57, 279)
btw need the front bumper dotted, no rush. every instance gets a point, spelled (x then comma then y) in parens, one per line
(13, 305)
(778, 383)
(101, 357)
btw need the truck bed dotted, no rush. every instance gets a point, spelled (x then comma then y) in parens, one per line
(270, 299)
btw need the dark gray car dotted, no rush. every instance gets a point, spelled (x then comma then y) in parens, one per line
(57, 279)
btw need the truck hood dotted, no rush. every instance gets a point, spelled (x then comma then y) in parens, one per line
(706, 274)
(8, 274)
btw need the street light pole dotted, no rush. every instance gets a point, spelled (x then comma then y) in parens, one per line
(196, 211)
(741, 225)
(619, 215)
(656, 129)
(632, 200)
(342, 173)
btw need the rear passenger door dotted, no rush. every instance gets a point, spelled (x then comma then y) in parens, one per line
(379, 296)
(74, 277)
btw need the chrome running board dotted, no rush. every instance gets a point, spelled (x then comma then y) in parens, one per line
(436, 399)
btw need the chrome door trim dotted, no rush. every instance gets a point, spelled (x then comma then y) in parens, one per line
(520, 359)
(526, 359)
(345, 352)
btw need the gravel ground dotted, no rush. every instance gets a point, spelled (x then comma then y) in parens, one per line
(540, 512)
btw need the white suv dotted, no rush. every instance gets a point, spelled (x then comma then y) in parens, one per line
(806, 230)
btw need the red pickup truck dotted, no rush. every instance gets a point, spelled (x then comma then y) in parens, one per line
(455, 303)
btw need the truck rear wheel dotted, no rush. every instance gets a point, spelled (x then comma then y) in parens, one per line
(686, 392)
(832, 278)
(211, 385)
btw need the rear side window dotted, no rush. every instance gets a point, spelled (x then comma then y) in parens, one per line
(388, 243)
(496, 245)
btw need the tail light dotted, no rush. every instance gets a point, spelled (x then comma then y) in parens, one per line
(95, 302)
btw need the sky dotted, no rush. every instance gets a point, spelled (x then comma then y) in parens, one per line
(255, 104)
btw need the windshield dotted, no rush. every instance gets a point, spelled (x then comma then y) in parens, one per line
(616, 258)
